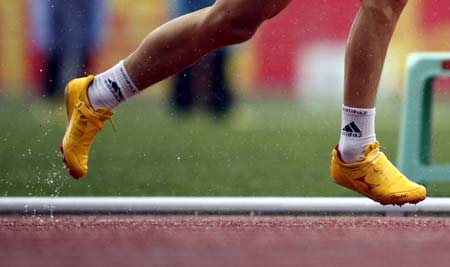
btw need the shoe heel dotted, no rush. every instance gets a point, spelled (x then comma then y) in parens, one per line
(338, 179)
(341, 183)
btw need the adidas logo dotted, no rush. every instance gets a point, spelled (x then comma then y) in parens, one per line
(351, 130)
(115, 90)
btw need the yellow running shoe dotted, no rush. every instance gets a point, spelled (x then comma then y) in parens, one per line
(376, 178)
(84, 124)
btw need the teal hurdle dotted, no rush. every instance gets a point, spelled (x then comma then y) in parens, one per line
(414, 155)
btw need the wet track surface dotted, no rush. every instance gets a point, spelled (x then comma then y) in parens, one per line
(140, 240)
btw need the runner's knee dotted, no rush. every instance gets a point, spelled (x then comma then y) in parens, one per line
(236, 21)
(387, 10)
(232, 26)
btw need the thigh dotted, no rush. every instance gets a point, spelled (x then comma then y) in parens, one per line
(387, 5)
(259, 9)
(189, 6)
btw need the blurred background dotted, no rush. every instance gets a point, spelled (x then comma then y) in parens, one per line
(256, 119)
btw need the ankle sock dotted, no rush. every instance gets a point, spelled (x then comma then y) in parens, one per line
(358, 131)
(110, 88)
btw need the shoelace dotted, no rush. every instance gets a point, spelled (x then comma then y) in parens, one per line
(85, 110)
(113, 124)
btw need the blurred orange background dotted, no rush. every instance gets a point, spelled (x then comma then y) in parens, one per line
(300, 50)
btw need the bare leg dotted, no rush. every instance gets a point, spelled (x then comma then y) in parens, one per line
(366, 52)
(182, 41)
(167, 50)
(358, 163)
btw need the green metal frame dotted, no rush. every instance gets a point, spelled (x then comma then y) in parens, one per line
(414, 155)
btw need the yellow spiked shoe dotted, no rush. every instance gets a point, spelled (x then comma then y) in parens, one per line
(84, 124)
(376, 178)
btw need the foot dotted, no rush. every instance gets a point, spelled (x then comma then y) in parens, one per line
(376, 178)
(84, 124)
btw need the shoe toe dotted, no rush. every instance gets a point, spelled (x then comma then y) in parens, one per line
(418, 194)
(413, 196)
(77, 173)
(76, 170)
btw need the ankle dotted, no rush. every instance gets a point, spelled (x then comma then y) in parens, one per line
(357, 132)
(111, 88)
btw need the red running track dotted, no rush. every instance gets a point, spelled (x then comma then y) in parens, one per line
(223, 241)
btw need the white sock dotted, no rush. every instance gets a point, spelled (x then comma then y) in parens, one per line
(111, 88)
(358, 131)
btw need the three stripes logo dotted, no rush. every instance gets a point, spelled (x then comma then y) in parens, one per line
(115, 90)
(351, 130)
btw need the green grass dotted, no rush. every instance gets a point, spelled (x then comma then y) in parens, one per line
(264, 149)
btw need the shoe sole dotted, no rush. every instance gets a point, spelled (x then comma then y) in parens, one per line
(66, 97)
(65, 163)
(413, 202)
(400, 203)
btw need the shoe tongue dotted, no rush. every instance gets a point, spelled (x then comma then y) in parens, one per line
(83, 96)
